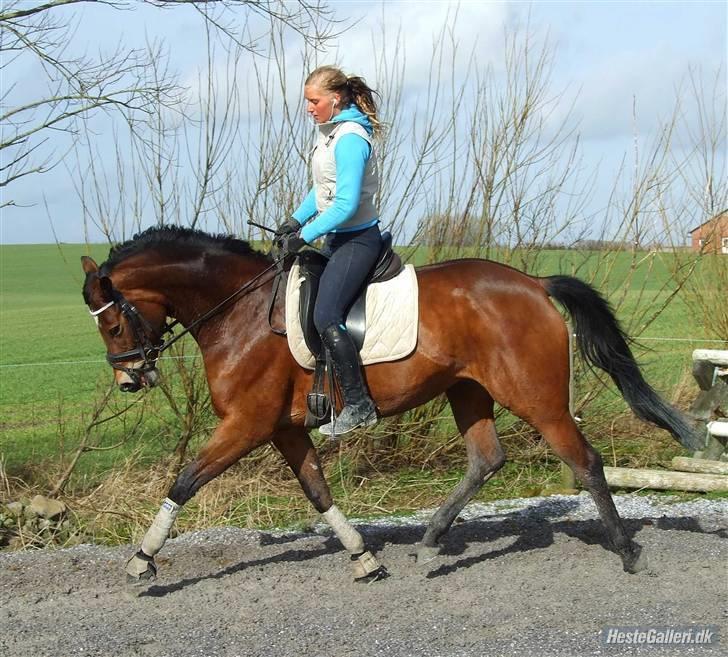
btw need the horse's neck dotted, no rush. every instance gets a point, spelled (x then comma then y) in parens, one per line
(191, 287)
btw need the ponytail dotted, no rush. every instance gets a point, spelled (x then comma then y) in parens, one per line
(363, 97)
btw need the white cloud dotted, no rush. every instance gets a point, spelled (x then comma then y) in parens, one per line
(401, 33)
(642, 50)
(416, 30)
(628, 91)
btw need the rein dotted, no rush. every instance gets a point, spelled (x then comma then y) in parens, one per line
(213, 311)
(149, 352)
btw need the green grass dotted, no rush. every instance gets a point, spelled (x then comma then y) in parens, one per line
(44, 323)
(52, 361)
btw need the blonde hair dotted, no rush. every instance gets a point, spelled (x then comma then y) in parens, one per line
(351, 88)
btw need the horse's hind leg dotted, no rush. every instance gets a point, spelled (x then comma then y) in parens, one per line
(570, 445)
(297, 449)
(472, 408)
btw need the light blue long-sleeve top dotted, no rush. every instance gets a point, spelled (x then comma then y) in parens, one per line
(351, 154)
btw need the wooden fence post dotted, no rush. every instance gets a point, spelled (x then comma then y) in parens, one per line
(710, 370)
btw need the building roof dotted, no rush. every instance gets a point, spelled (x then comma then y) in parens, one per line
(712, 219)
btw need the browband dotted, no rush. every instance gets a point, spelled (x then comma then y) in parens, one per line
(94, 313)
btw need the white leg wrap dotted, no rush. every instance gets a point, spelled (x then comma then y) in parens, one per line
(158, 533)
(139, 568)
(349, 537)
(365, 565)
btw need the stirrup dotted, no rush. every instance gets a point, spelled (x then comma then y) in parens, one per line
(318, 404)
(317, 401)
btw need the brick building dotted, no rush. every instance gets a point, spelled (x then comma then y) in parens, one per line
(712, 236)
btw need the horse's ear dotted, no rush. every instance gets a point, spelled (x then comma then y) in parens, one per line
(89, 265)
(106, 287)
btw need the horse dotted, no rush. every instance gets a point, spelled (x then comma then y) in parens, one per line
(487, 333)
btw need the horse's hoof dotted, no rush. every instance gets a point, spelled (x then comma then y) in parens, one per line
(375, 576)
(367, 569)
(635, 562)
(427, 553)
(140, 569)
(143, 579)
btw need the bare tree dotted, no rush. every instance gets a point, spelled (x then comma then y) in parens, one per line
(705, 185)
(127, 80)
(497, 175)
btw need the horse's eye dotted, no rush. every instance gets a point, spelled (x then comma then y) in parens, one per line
(115, 331)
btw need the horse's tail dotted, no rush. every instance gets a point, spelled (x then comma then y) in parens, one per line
(603, 344)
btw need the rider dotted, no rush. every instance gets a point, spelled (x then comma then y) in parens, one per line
(341, 206)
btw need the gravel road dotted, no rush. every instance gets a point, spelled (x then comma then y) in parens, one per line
(517, 577)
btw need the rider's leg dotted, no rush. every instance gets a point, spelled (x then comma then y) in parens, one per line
(359, 408)
(353, 257)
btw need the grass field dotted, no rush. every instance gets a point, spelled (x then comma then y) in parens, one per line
(52, 364)
(52, 368)
(44, 326)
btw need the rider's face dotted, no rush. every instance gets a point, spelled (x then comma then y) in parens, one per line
(321, 105)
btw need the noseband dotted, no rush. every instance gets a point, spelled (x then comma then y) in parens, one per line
(145, 349)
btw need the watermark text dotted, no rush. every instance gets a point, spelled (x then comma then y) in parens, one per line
(693, 635)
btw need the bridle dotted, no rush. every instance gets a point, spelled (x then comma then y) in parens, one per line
(146, 349)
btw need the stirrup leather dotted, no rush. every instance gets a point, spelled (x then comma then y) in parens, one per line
(318, 403)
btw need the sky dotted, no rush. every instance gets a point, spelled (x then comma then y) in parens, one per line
(616, 69)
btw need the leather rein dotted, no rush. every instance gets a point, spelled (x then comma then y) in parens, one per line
(147, 350)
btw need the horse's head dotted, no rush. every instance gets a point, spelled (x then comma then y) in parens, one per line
(132, 332)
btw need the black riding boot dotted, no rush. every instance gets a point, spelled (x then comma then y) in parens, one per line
(359, 409)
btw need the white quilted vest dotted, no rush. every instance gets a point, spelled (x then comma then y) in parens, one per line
(323, 166)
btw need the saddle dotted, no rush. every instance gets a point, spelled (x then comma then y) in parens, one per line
(311, 266)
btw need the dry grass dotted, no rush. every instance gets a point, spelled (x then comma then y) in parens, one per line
(406, 465)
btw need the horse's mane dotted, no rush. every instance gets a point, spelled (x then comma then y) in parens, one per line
(178, 236)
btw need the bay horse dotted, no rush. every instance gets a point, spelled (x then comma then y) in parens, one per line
(487, 333)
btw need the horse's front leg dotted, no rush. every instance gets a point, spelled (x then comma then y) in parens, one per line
(228, 444)
(297, 449)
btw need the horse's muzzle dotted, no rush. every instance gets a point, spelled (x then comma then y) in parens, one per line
(133, 380)
(130, 386)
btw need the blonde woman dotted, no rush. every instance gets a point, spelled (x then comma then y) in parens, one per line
(341, 207)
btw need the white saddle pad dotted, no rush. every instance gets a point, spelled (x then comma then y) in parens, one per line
(391, 319)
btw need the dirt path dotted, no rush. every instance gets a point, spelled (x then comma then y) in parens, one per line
(527, 577)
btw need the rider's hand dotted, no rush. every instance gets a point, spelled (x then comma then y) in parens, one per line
(293, 244)
(287, 227)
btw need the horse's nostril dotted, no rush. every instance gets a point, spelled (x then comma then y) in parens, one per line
(129, 387)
